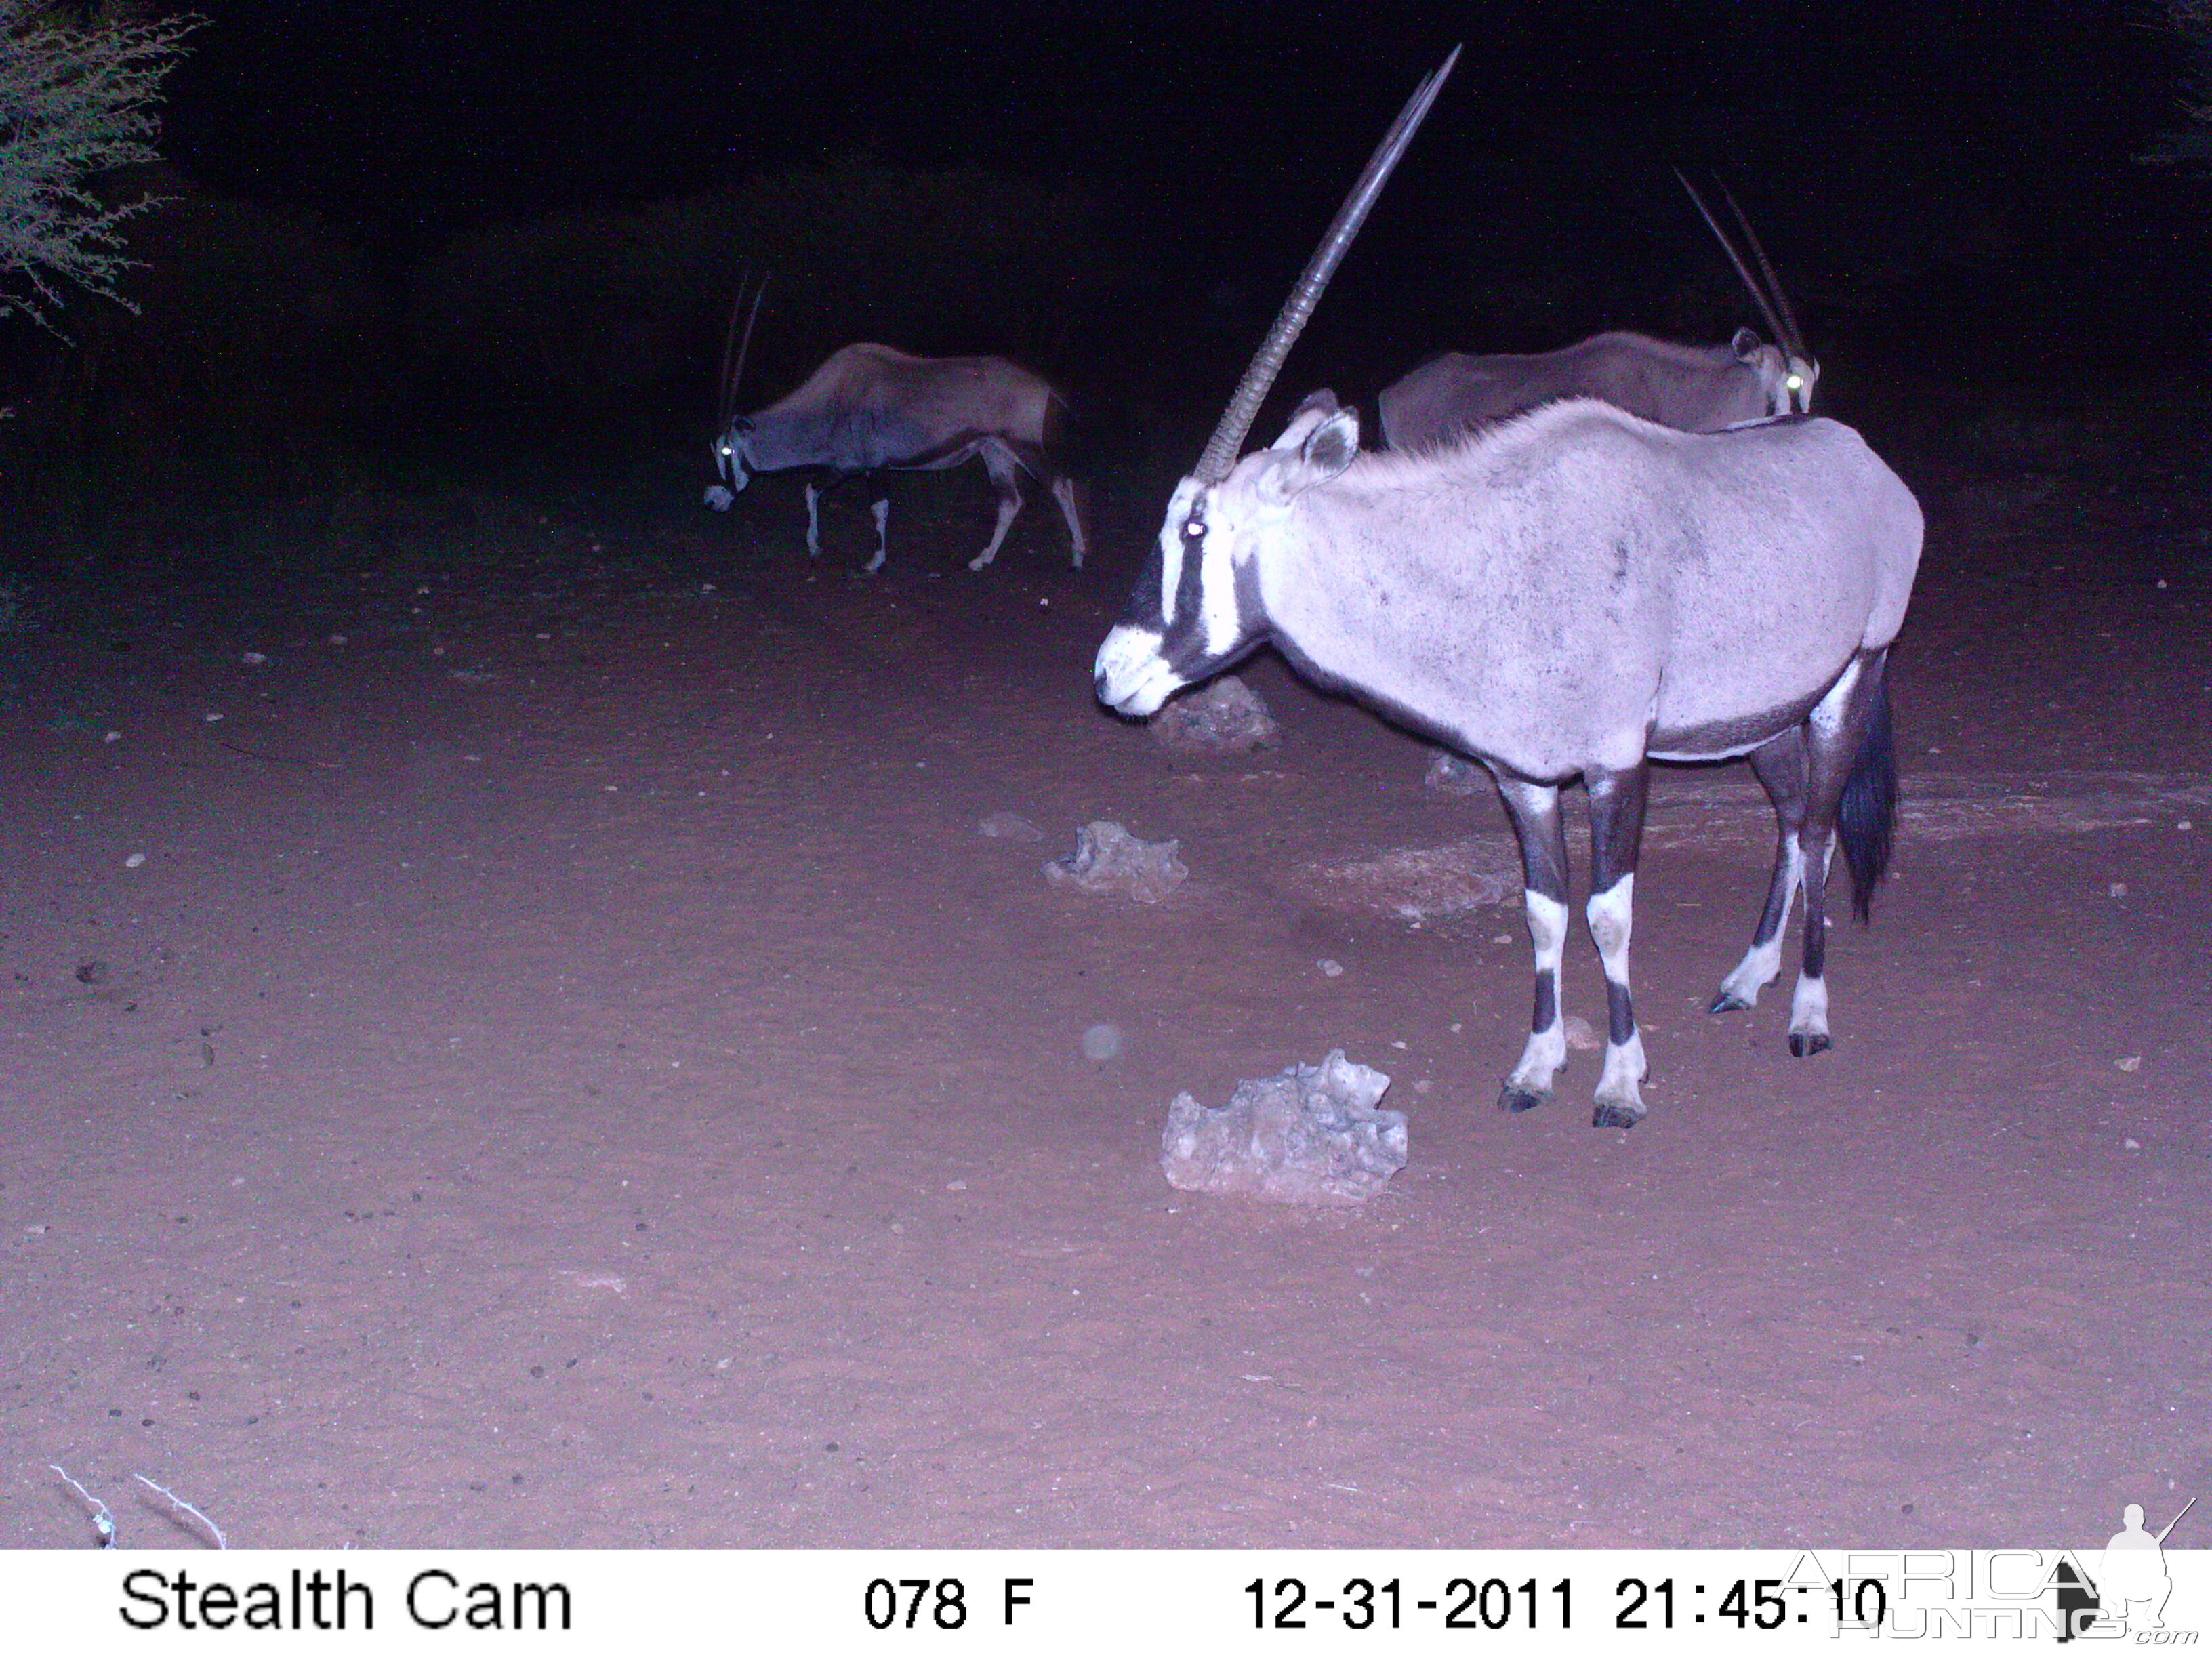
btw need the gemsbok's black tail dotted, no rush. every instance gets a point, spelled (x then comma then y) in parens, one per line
(1865, 817)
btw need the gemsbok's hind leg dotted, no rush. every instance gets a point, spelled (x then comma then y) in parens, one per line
(1037, 461)
(1063, 491)
(1616, 810)
(1834, 732)
(1535, 810)
(814, 519)
(881, 512)
(1780, 767)
(1005, 472)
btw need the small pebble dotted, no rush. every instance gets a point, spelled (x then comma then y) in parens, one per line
(2131, 1143)
(134, 861)
(337, 639)
(2184, 824)
(1101, 1042)
(112, 737)
(212, 718)
(2132, 1063)
(253, 658)
(2117, 889)
(956, 1185)
(1330, 967)
(1009, 826)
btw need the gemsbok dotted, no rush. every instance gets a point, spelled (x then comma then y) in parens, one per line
(869, 408)
(1576, 593)
(1690, 388)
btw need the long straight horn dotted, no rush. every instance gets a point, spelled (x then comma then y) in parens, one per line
(745, 348)
(1221, 450)
(733, 377)
(1794, 340)
(722, 387)
(1758, 293)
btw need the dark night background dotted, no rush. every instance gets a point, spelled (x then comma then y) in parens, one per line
(408, 235)
(535, 1012)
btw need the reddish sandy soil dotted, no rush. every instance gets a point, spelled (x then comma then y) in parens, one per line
(569, 1070)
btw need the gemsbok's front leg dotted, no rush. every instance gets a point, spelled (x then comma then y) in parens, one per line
(1616, 810)
(1780, 765)
(1535, 810)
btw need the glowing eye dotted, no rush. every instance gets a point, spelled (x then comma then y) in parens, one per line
(1795, 382)
(1193, 529)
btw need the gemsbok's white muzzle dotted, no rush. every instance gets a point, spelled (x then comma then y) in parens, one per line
(1133, 677)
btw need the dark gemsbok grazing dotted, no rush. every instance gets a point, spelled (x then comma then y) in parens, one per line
(1690, 388)
(1576, 593)
(870, 408)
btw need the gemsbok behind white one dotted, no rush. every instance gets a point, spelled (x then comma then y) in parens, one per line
(1690, 388)
(1575, 593)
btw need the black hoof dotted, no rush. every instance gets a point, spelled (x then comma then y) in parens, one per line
(1805, 1047)
(1514, 1098)
(1615, 1117)
(1727, 1002)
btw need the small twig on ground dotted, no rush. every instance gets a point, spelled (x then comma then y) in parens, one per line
(103, 1520)
(278, 760)
(214, 1531)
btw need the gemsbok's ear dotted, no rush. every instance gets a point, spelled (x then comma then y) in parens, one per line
(1329, 440)
(1746, 344)
(1317, 407)
(1330, 446)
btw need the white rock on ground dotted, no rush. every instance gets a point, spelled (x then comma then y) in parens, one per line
(1107, 859)
(1226, 718)
(1450, 774)
(1312, 1136)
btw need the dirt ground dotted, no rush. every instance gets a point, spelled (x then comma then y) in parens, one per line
(567, 1071)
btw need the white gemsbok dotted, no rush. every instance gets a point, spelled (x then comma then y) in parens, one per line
(869, 408)
(1575, 593)
(1690, 388)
